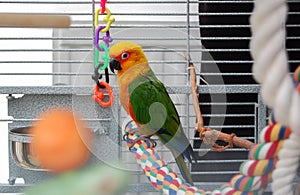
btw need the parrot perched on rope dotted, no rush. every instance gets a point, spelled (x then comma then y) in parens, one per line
(146, 100)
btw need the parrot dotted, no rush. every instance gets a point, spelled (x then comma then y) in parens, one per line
(145, 98)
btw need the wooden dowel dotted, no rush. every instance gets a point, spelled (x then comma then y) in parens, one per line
(218, 135)
(34, 20)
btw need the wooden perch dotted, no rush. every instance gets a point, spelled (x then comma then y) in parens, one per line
(208, 135)
(34, 20)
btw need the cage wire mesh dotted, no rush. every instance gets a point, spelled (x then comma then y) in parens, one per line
(56, 65)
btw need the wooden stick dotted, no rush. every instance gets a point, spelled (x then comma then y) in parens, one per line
(197, 110)
(211, 135)
(239, 142)
(34, 20)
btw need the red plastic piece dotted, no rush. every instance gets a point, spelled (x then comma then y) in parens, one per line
(102, 3)
(99, 95)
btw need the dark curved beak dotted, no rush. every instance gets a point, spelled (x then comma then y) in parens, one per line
(114, 65)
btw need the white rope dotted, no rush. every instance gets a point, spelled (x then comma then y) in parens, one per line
(271, 70)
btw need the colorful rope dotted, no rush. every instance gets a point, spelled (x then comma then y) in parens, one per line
(161, 177)
(289, 156)
(271, 69)
(254, 175)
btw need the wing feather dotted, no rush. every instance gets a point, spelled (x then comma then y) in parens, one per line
(162, 120)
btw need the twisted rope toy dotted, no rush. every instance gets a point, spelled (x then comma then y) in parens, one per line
(254, 173)
(279, 145)
(272, 71)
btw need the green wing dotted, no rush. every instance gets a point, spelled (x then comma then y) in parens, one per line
(152, 105)
(154, 110)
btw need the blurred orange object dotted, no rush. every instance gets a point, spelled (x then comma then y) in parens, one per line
(61, 140)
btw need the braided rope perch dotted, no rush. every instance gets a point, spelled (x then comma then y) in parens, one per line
(254, 173)
(279, 145)
(272, 71)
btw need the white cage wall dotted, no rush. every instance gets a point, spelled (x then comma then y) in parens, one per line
(54, 63)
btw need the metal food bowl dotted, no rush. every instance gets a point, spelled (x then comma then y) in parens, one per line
(21, 149)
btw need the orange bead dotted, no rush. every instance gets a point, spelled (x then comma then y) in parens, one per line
(61, 140)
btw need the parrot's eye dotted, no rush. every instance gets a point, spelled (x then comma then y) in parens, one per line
(124, 55)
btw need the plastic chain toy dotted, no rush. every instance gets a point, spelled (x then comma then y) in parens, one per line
(279, 144)
(108, 19)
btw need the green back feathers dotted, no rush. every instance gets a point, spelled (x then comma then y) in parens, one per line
(151, 104)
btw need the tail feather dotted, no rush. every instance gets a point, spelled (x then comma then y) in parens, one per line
(182, 167)
(188, 153)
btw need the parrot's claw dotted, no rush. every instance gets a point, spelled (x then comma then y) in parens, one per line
(144, 138)
(131, 131)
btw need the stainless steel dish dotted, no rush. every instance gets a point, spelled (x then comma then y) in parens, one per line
(21, 150)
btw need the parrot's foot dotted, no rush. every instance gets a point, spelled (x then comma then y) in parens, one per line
(129, 132)
(143, 138)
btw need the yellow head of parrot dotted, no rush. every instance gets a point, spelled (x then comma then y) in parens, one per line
(125, 55)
